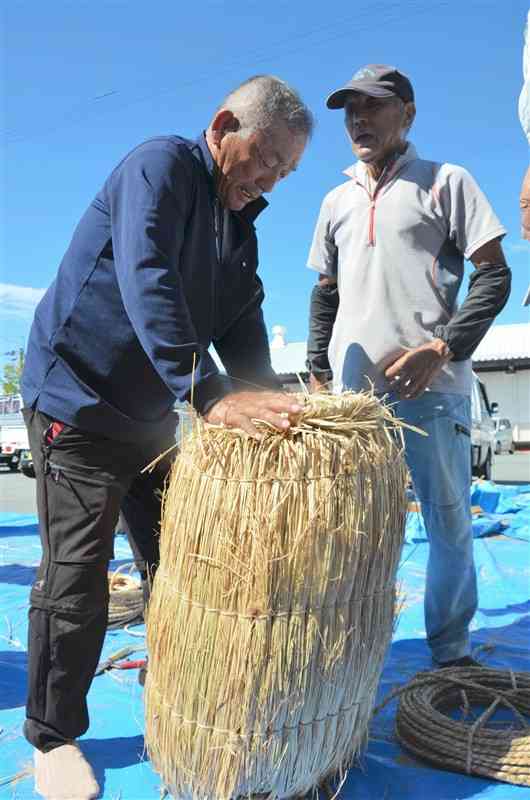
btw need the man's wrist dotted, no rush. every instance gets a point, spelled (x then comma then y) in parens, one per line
(321, 375)
(442, 348)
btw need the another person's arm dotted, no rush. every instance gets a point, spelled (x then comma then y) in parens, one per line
(324, 298)
(322, 314)
(489, 289)
(476, 232)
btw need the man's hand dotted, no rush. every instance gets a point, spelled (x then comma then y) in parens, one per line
(237, 410)
(414, 371)
(316, 385)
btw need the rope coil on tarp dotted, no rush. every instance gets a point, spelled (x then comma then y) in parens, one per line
(469, 745)
(126, 602)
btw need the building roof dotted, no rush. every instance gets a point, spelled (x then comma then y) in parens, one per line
(501, 343)
(289, 358)
(504, 343)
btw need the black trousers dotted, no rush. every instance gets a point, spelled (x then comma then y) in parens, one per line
(82, 482)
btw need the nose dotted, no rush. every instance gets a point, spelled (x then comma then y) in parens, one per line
(356, 117)
(268, 180)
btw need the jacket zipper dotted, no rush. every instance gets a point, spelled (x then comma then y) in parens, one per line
(371, 233)
(216, 273)
(373, 197)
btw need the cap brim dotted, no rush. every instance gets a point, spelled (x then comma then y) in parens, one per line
(337, 99)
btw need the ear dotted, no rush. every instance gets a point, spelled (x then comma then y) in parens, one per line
(224, 122)
(410, 114)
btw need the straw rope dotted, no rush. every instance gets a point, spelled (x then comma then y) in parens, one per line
(261, 734)
(126, 602)
(274, 601)
(161, 575)
(473, 747)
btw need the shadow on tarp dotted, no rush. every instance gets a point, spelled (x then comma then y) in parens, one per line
(8, 531)
(505, 647)
(117, 752)
(19, 574)
(389, 773)
(505, 510)
(13, 678)
(514, 608)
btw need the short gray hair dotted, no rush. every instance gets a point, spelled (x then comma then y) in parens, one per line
(264, 100)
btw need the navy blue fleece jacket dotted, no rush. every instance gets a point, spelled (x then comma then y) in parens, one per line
(143, 290)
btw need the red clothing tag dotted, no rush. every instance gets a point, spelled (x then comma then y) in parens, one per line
(54, 431)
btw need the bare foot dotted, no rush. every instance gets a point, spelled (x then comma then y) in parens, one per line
(64, 774)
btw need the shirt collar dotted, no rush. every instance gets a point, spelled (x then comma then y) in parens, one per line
(251, 210)
(359, 169)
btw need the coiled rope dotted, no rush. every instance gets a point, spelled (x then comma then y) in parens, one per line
(469, 745)
(126, 603)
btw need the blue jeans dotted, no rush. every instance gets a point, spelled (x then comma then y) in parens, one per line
(440, 467)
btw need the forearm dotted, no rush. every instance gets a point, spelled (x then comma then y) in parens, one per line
(489, 289)
(149, 200)
(244, 350)
(322, 314)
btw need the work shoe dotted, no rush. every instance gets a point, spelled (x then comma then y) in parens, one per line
(465, 661)
(64, 774)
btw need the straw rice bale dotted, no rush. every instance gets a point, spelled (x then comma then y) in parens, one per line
(273, 604)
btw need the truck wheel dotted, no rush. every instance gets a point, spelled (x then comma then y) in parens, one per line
(486, 469)
(13, 467)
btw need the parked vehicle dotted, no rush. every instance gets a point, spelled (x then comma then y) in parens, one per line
(13, 441)
(482, 431)
(13, 433)
(503, 435)
(26, 464)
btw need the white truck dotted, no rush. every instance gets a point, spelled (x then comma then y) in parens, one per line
(482, 431)
(13, 434)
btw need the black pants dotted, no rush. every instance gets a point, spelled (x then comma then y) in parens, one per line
(82, 481)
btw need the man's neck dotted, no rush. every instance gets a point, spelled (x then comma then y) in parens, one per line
(376, 168)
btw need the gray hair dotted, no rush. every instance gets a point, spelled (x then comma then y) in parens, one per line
(264, 100)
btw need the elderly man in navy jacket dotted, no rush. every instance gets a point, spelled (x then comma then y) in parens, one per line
(162, 265)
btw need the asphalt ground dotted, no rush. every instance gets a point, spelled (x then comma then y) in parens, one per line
(17, 493)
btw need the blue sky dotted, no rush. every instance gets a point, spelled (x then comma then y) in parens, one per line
(87, 81)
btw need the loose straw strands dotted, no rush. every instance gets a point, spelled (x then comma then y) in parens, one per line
(274, 601)
(468, 745)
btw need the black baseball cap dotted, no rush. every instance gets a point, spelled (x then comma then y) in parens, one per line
(375, 80)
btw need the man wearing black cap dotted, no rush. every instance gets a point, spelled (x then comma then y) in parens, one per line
(389, 247)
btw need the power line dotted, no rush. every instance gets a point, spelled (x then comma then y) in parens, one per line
(385, 13)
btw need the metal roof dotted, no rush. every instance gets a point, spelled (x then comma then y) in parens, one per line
(501, 343)
(504, 343)
(289, 358)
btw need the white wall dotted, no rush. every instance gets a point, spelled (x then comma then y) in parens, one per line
(512, 393)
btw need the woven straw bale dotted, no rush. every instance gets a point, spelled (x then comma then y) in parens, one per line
(273, 604)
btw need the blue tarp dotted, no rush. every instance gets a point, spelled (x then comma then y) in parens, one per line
(114, 743)
(497, 509)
